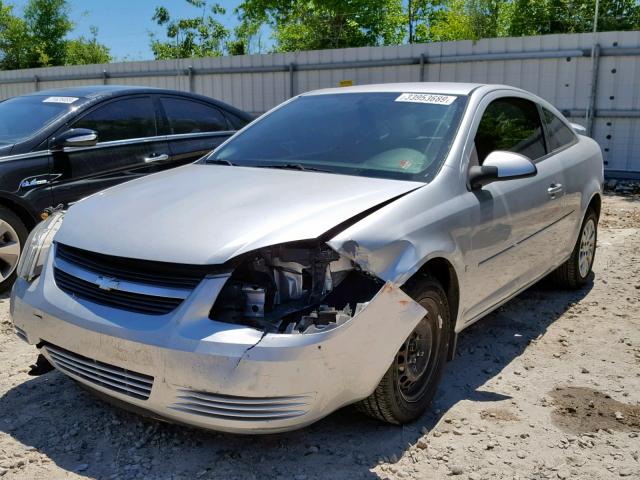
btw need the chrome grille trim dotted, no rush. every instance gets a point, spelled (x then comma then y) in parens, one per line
(147, 304)
(123, 285)
(242, 408)
(126, 382)
(144, 272)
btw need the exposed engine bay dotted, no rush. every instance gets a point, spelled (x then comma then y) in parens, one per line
(300, 287)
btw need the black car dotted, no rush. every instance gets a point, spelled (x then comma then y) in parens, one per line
(58, 146)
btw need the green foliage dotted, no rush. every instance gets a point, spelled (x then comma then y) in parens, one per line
(318, 24)
(39, 38)
(475, 19)
(200, 36)
(48, 23)
(14, 40)
(85, 51)
(539, 17)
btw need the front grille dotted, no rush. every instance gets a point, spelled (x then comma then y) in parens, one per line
(126, 382)
(242, 408)
(163, 274)
(134, 302)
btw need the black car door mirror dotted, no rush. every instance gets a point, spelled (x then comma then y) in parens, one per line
(75, 137)
(501, 165)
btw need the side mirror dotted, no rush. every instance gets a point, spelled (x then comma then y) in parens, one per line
(75, 137)
(500, 165)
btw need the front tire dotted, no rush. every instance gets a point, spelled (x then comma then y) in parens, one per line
(574, 273)
(13, 234)
(408, 386)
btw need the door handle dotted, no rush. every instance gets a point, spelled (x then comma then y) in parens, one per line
(156, 158)
(554, 188)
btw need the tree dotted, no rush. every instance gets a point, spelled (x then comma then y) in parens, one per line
(465, 20)
(539, 17)
(200, 36)
(14, 40)
(48, 24)
(85, 51)
(318, 24)
(39, 38)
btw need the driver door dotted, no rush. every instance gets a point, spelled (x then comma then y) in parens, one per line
(128, 147)
(513, 239)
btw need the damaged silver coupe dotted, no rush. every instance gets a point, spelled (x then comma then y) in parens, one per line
(327, 254)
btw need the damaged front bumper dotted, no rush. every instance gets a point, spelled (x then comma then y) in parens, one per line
(188, 368)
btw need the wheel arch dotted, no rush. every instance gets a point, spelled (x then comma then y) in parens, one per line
(23, 212)
(595, 203)
(444, 272)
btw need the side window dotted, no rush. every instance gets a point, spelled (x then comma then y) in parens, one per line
(559, 134)
(186, 116)
(121, 119)
(511, 124)
(236, 122)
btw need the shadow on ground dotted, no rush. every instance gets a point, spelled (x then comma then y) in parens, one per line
(81, 433)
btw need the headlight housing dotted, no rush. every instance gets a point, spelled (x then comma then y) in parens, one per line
(37, 247)
(295, 287)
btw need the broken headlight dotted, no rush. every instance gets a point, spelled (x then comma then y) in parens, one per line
(289, 288)
(37, 246)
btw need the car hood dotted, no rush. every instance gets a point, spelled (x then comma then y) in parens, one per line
(208, 214)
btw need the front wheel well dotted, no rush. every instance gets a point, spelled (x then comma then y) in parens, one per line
(27, 218)
(442, 270)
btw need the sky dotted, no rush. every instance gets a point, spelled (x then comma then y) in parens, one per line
(124, 25)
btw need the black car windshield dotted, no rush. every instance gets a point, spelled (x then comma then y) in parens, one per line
(21, 117)
(390, 135)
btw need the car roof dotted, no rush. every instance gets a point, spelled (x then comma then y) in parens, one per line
(95, 93)
(446, 88)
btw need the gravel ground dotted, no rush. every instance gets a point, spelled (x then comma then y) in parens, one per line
(546, 387)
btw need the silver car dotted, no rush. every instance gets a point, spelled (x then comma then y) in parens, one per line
(329, 253)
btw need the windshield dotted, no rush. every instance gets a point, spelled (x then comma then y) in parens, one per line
(390, 135)
(21, 117)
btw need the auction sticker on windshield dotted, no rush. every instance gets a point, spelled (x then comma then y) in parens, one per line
(426, 98)
(60, 99)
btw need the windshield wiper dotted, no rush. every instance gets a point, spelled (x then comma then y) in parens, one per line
(218, 161)
(294, 166)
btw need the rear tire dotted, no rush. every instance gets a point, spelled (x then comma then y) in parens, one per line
(408, 386)
(574, 273)
(13, 234)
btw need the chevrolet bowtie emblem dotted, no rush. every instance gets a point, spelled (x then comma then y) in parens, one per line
(107, 283)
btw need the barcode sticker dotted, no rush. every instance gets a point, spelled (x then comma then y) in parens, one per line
(426, 98)
(60, 99)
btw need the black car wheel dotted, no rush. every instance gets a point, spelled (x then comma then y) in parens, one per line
(13, 234)
(406, 390)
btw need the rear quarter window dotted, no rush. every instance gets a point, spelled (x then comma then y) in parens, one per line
(559, 135)
(186, 116)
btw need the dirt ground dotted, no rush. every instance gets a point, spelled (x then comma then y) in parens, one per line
(547, 387)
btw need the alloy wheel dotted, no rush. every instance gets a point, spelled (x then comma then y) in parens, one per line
(9, 250)
(587, 247)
